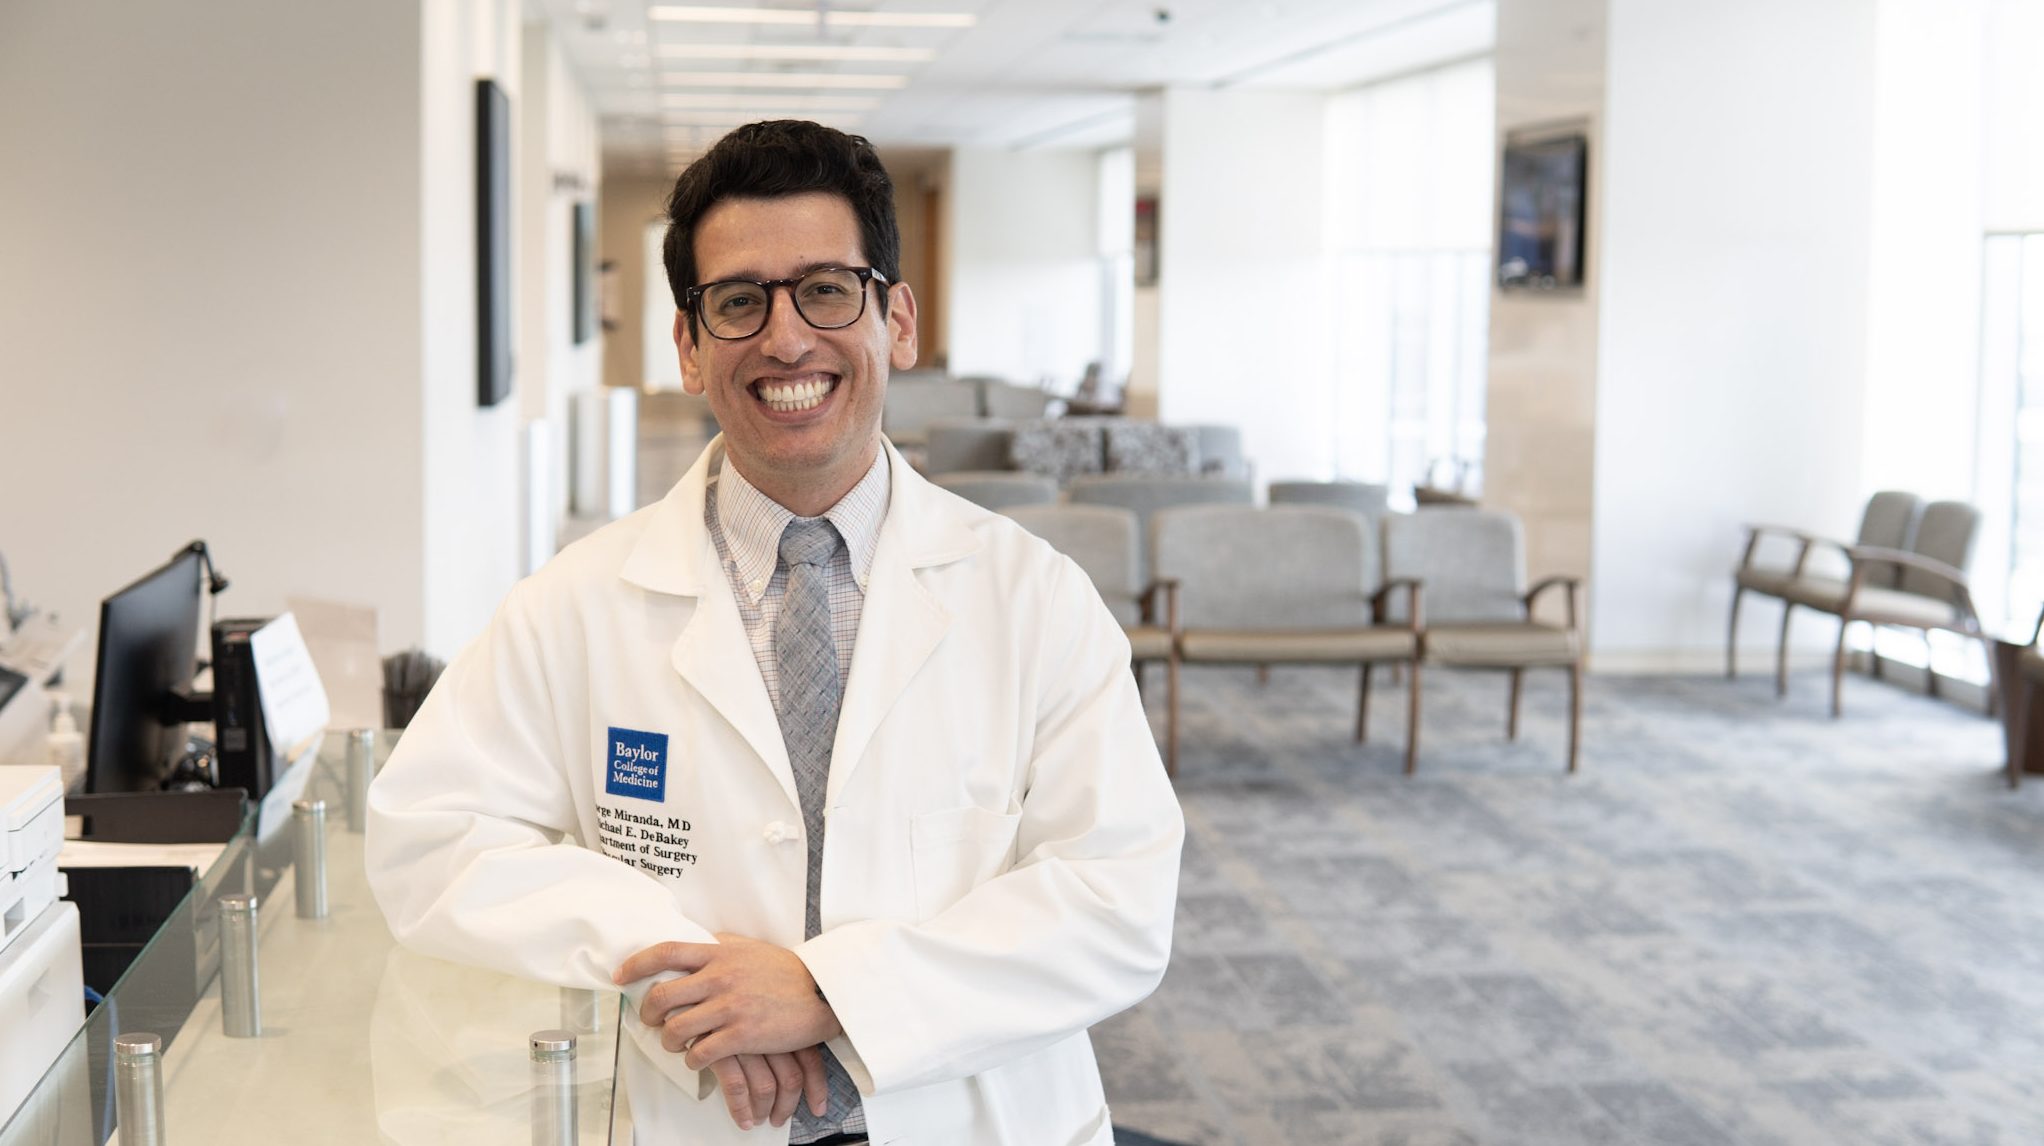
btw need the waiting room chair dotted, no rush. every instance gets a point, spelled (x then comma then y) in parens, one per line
(1291, 584)
(1479, 612)
(999, 489)
(910, 406)
(1372, 501)
(1889, 521)
(1148, 494)
(1930, 594)
(953, 445)
(1220, 452)
(1101, 539)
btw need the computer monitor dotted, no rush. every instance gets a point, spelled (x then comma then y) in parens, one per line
(148, 655)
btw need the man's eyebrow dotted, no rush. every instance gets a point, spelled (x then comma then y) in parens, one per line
(753, 274)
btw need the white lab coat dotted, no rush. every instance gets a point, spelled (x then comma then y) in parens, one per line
(1001, 863)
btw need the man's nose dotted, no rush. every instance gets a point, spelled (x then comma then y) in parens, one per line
(787, 335)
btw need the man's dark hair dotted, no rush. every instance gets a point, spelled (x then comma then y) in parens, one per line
(772, 160)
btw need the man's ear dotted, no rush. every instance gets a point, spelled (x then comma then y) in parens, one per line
(685, 347)
(901, 327)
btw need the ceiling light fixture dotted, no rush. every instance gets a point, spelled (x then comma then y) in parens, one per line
(795, 52)
(770, 100)
(699, 14)
(687, 119)
(786, 80)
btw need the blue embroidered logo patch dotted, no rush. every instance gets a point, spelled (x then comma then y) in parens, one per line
(638, 765)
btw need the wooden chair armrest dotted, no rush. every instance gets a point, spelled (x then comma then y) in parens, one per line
(1962, 592)
(1166, 588)
(1755, 528)
(1382, 598)
(1574, 584)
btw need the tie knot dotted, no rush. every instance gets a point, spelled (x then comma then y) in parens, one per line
(808, 541)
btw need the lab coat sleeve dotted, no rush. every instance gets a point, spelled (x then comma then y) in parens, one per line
(1078, 930)
(469, 848)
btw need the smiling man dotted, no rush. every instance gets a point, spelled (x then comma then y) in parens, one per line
(843, 780)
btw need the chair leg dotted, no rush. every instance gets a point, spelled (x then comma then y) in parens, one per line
(1788, 613)
(1171, 716)
(1363, 707)
(1732, 642)
(1838, 671)
(1262, 675)
(1930, 668)
(1512, 706)
(1575, 714)
(1412, 722)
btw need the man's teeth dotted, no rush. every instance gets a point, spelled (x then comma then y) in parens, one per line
(789, 397)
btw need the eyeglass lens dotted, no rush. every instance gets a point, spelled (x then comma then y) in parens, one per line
(826, 299)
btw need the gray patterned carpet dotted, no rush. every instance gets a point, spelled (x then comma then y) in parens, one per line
(1742, 923)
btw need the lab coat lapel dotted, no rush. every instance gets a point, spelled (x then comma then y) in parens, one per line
(676, 556)
(713, 656)
(903, 622)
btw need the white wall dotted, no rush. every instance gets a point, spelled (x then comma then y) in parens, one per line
(1924, 268)
(471, 491)
(1022, 272)
(209, 302)
(1739, 145)
(560, 166)
(237, 302)
(1240, 206)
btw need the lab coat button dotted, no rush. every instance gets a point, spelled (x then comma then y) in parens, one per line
(779, 832)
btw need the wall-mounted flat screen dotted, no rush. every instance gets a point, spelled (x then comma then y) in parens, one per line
(493, 243)
(1541, 201)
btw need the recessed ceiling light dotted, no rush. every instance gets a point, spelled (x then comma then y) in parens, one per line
(699, 14)
(794, 52)
(785, 80)
(758, 101)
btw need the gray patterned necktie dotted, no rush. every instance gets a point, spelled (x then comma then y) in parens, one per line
(810, 696)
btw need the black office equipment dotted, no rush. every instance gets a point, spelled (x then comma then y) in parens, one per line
(247, 759)
(148, 654)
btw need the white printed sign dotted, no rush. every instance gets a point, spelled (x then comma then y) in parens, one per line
(294, 701)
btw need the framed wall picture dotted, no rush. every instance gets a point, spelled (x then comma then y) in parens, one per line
(493, 243)
(1146, 241)
(582, 244)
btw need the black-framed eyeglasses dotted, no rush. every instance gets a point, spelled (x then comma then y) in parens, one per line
(828, 298)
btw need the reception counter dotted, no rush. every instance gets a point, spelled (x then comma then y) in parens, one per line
(360, 1040)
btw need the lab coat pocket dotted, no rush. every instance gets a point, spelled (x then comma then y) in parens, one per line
(956, 850)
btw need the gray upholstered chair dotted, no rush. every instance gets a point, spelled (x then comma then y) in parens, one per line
(1220, 451)
(1372, 501)
(1922, 587)
(1102, 540)
(999, 489)
(910, 406)
(1146, 495)
(1060, 449)
(952, 445)
(1001, 399)
(1292, 584)
(1479, 612)
(1889, 521)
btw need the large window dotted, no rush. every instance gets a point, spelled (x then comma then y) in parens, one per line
(2012, 376)
(1409, 216)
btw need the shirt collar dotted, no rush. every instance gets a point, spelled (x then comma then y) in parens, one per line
(752, 524)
